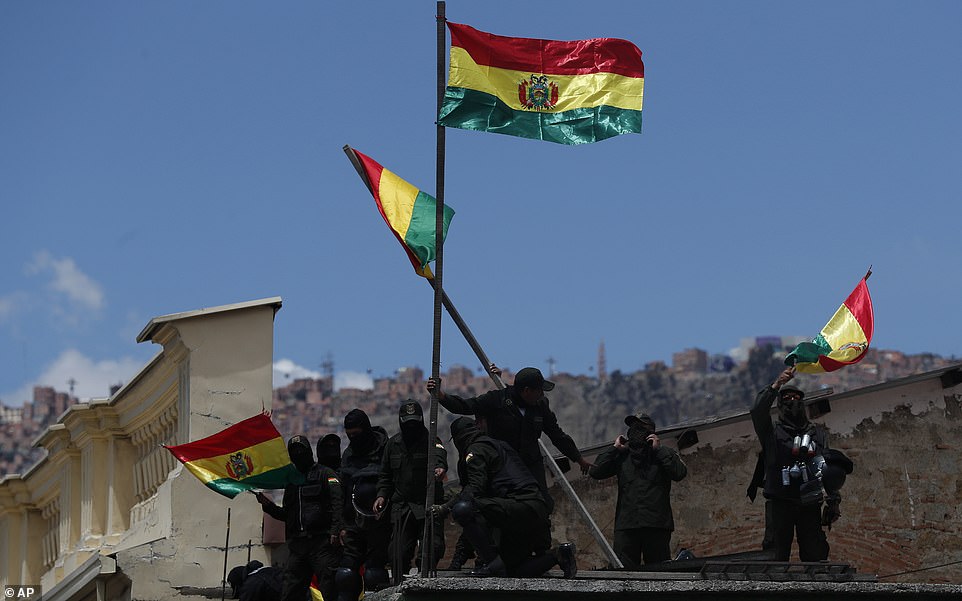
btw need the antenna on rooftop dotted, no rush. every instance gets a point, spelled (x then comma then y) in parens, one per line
(551, 363)
(327, 366)
(71, 383)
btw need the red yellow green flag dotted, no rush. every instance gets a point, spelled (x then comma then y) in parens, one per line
(410, 213)
(566, 92)
(844, 339)
(250, 454)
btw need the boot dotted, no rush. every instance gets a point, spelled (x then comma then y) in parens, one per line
(567, 560)
(495, 567)
(462, 553)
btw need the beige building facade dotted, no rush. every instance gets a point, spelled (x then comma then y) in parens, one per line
(109, 513)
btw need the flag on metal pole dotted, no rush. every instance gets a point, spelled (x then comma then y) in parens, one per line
(574, 92)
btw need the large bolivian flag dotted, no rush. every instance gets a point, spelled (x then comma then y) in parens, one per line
(410, 213)
(844, 339)
(250, 454)
(566, 92)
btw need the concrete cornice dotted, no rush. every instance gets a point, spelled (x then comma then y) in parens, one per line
(152, 328)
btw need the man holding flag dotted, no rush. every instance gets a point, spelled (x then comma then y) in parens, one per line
(311, 513)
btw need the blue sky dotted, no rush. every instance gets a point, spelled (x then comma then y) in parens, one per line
(158, 157)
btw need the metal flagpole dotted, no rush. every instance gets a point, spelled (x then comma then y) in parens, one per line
(479, 352)
(552, 464)
(223, 583)
(427, 546)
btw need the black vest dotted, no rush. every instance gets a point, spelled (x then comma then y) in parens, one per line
(779, 456)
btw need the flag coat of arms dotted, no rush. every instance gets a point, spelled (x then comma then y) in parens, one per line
(250, 454)
(844, 339)
(566, 92)
(410, 213)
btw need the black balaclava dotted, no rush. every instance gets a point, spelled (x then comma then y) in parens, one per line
(411, 421)
(329, 451)
(301, 454)
(235, 578)
(792, 413)
(364, 441)
(638, 433)
(464, 431)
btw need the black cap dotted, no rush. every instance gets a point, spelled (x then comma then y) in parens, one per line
(790, 388)
(640, 417)
(411, 411)
(530, 377)
(356, 418)
(300, 441)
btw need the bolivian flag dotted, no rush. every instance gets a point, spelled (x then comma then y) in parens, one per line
(410, 213)
(844, 339)
(250, 454)
(566, 92)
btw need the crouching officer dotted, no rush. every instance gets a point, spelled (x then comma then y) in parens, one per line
(500, 492)
(311, 513)
(800, 471)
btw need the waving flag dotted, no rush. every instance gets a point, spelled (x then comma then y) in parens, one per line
(844, 339)
(566, 92)
(250, 454)
(410, 213)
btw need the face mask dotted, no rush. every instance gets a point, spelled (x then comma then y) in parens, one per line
(363, 441)
(302, 460)
(412, 431)
(792, 412)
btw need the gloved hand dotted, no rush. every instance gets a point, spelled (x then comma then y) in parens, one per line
(440, 511)
(830, 513)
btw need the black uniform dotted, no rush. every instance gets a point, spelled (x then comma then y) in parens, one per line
(311, 513)
(499, 492)
(403, 482)
(366, 537)
(643, 516)
(255, 582)
(507, 418)
(791, 484)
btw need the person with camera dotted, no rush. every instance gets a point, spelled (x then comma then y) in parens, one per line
(800, 471)
(645, 469)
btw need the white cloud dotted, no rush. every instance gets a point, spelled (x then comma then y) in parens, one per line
(353, 379)
(286, 371)
(68, 279)
(92, 379)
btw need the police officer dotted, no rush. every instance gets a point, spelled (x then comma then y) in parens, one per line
(645, 469)
(499, 492)
(311, 513)
(255, 582)
(365, 536)
(402, 484)
(794, 454)
(518, 415)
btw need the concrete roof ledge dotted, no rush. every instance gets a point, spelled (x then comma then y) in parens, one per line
(604, 588)
(155, 324)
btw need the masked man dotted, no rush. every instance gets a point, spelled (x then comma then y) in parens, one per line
(800, 471)
(366, 535)
(402, 484)
(500, 494)
(311, 513)
(645, 469)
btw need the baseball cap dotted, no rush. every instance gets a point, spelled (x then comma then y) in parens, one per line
(530, 377)
(640, 417)
(790, 388)
(410, 411)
